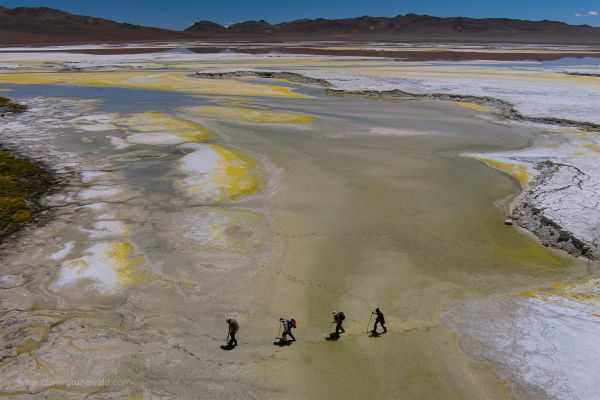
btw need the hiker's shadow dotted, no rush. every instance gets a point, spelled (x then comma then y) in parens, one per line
(376, 334)
(227, 347)
(283, 343)
(333, 336)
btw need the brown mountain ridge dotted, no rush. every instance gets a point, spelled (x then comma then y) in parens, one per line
(412, 26)
(43, 25)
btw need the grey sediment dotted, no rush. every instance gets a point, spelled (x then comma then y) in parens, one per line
(523, 212)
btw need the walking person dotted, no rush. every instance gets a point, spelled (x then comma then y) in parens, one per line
(338, 318)
(288, 325)
(233, 328)
(379, 320)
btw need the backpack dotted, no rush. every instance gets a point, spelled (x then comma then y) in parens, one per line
(293, 323)
(342, 316)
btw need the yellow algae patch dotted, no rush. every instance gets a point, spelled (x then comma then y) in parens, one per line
(158, 128)
(517, 171)
(587, 293)
(164, 81)
(214, 173)
(105, 266)
(592, 147)
(127, 264)
(252, 115)
(472, 106)
(528, 294)
(235, 176)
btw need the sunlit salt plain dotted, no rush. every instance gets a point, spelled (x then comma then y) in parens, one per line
(183, 200)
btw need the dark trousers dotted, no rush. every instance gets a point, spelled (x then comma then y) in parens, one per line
(287, 332)
(379, 321)
(338, 328)
(232, 341)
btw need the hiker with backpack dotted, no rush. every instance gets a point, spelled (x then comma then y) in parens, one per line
(288, 325)
(233, 328)
(338, 318)
(379, 320)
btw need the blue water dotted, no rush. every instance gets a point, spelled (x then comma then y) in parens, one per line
(122, 100)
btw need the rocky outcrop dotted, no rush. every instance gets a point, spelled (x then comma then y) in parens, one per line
(289, 76)
(561, 208)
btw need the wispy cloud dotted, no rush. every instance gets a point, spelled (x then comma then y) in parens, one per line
(587, 14)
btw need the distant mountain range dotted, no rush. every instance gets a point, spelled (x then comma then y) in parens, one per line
(42, 25)
(409, 25)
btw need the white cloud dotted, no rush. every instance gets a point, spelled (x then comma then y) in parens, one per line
(587, 14)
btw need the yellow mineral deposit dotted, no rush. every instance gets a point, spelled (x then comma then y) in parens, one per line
(593, 147)
(163, 129)
(108, 266)
(215, 173)
(472, 106)
(164, 81)
(585, 292)
(252, 115)
(127, 265)
(517, 171)
(235, 176)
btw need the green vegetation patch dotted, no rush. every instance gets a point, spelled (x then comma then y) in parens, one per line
(7, 105)
(20, 181)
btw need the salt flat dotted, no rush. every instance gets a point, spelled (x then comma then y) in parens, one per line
(185, 198)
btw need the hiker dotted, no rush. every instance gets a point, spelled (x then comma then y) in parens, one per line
(288, 324)
(233, 328)
(338, 318)
(379, 320)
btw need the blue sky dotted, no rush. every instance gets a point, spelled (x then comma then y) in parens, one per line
(178, 14)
